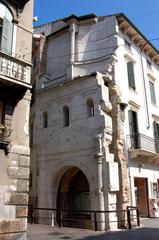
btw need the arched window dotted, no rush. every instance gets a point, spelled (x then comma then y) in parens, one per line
(66, 116)
(6, 29)
(90, 108)
(45, 120)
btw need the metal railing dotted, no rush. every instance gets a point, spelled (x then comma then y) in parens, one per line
(140, 141)
(84, 219)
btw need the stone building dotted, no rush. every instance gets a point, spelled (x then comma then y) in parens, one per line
(90, 73)
(15, 68)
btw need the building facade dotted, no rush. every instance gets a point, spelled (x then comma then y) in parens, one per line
(15, 69)
(95, 116)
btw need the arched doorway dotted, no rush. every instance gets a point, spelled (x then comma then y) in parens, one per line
(73, 198)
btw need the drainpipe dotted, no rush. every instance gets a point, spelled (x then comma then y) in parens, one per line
(72, 42)
(144, 85)
(72, 48)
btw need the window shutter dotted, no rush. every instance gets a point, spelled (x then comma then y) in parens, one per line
(133, 123)
(131, 77)
(152, 92)
(156, 135)
(156, 130)
(6, 44)
(130, 121)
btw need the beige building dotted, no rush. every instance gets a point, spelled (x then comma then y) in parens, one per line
(15, 68)
(85, 88)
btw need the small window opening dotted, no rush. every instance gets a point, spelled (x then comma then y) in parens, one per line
(45, 120)
(66, 116)
(90, 108)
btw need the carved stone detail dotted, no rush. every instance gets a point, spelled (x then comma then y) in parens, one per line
(14, 68)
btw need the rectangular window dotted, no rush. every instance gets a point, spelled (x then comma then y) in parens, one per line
(131, 76)
(149, 65)
(152, 92)
(154, 190)
(133, 126)
(128, 45)
(156, 135)
(6, 41)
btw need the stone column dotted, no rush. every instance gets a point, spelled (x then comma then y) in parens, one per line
(98, 155)
(100, 216)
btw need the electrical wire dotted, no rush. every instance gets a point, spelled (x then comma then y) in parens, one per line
(90, 51)
(145, 14)
(22, 56)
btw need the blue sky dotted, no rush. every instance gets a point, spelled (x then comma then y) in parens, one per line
(143, 13)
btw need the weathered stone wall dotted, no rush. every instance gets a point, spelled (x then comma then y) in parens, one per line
(83, 144)
(118, 148)
(14, 136)
(23, 47)
(14, 183)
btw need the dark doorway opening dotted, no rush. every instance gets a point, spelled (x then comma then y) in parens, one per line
(73, 198)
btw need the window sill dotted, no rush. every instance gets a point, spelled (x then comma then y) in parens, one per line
(133, 90)
(154, 105)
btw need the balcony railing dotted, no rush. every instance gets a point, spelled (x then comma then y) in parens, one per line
(142, 142)
(14, 69)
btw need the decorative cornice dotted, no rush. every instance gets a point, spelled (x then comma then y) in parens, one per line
(133, 104)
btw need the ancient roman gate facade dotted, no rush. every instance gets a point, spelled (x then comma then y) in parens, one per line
(73, 166)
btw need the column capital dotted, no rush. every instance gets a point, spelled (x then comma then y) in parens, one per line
(98, 157)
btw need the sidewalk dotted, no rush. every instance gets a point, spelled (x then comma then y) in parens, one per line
(149, 230)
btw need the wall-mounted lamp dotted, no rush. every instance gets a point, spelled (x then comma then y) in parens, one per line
(140, 166)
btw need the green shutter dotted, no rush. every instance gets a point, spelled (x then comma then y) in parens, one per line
(152, 92)
(156, 135)
(6, 43)
(133, 122)
(130, 121)
(156, 130)
(131, 77)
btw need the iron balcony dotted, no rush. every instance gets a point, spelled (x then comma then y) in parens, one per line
(142, 144)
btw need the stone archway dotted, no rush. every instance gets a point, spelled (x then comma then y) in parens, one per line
(74, 196)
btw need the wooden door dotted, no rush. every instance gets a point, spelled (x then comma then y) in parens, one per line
(142, 196)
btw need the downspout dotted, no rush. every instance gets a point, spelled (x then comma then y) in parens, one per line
(144, 85)
(73, 27)
(72, 42)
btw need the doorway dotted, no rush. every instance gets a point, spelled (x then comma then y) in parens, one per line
(74, 198)
(141, 194)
